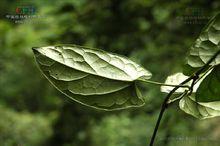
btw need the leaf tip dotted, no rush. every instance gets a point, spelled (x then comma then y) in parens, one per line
(35, 49)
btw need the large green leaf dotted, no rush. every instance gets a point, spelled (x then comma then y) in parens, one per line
(209, 89)
(92, 77)
(205, 46)
(201, 110)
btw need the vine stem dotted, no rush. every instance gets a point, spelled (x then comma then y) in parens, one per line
(165, 103)
(163, 84)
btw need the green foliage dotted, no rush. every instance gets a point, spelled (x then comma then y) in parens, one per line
(115, 130)
(209, 90)
(133, 28)
(205, 104)
(92, 77)
(23, 128)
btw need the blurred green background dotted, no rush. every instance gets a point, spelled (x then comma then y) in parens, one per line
(156, 34)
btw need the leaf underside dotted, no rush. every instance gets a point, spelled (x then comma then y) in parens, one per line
(205, 47)
(174, 79)
(92, 77)
(199, 110)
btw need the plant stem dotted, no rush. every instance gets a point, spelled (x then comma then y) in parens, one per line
(165, 104)
(178, 98)
(163, 107)
(163, 84)
(204, 74)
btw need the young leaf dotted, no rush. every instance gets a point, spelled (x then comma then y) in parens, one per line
(205, 46)
(174, 79)
(201, 110)
(92, 77)
(209, 89)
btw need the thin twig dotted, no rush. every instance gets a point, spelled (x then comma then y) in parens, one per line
(163, 84)
(178, 98)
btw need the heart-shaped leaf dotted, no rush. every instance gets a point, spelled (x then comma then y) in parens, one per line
(205, 47)
(92, 77)
(201, 110)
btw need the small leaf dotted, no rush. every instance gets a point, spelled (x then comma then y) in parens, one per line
(174, 79)
(209, 89)
(92, 77)
(201, 110)
(207, 44)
